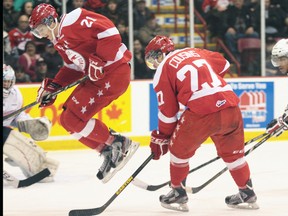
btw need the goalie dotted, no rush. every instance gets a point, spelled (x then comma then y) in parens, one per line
(20, 150)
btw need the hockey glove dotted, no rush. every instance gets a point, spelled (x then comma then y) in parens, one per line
(47, 87)
(159, 144)
(277, 123)
(95, 70)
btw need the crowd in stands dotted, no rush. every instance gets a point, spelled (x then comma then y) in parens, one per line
(34, 59)
(231, 20)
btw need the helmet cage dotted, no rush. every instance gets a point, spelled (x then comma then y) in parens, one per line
(41, 29)
(153, 58)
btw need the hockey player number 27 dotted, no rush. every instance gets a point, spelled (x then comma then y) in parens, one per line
(194, 76)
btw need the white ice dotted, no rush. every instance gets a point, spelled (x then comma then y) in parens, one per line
(77, 187)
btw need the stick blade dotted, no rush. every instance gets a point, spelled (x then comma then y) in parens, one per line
(86, 212)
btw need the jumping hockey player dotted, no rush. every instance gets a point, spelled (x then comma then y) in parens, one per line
(279, 58)
(89, 44)
(194, 78)
(22, 151)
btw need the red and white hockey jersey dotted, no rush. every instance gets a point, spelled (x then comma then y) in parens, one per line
(194, 78)
(83, 33)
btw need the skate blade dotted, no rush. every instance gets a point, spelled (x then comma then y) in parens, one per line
(176, 207)
(252, 206)
(132, 149)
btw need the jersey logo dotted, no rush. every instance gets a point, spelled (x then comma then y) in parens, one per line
(220, 103)
(76, 58)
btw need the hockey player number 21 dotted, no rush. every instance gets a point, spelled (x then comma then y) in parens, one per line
(194, 76)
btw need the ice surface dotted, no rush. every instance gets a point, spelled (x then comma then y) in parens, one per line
(76, 185)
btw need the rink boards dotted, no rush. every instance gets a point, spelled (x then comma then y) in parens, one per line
(135, 113)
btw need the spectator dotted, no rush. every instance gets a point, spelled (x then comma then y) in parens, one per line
(74, 4)
(57, 4)
(111, 11)
(95, 5)
(27, 8)
(214, 14)
(53, 60)
(20, 35)
(150, 30)
(141, 14)
(239, 24)
(282, 3)
(275, 19)
(123, 30)
(40, 70)
(17, 4)
(10, 16)
(21, 76)
(28, 59)
(141, 71)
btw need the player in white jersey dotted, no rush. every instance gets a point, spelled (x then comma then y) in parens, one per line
(20, 150)
(279, 59)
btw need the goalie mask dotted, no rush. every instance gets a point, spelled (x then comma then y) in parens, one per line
(41, 20)
(156, 51)
(8, 79)
(279, 57)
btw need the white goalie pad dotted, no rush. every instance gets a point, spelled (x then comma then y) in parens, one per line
(38, 128)
(26, 154)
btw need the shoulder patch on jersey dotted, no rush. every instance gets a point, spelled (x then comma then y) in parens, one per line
(71, 17)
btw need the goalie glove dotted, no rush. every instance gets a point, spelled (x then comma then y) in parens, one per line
(277, 123)
(43, 95)
(159, 144)
(95, 70)
(38, 128)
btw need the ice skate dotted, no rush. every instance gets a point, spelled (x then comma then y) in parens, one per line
(176, 200)
(245, 199)
(105, 167)
(120, 152)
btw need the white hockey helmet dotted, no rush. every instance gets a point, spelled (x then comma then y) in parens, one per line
(8, 79)
(279, 50)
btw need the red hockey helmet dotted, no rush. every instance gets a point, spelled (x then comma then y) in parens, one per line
(42, 14)
(157, 49)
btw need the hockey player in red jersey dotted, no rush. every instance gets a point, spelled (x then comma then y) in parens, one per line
(194, 78)
(89, 44)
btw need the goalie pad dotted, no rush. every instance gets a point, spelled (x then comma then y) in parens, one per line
(26, 154)
(38, 128)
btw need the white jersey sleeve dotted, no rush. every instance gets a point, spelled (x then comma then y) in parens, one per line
(11, 104)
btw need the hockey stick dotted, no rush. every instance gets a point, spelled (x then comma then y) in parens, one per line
(194, 190)
(145, 186)
(11, 180)
(99, 210)
(50, 95)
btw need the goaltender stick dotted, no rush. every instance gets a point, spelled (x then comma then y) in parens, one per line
(22, 151)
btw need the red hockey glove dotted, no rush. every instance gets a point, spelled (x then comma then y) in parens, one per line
(159, 144)
(95, 70)
(47, 87)
(277, 123)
